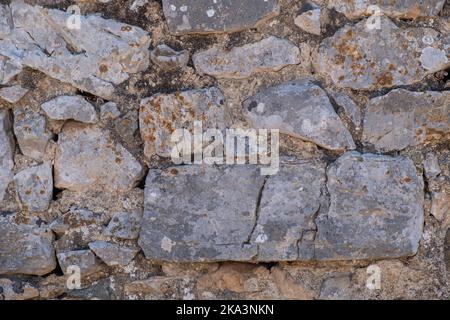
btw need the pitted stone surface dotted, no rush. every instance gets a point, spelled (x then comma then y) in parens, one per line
(403, 118)
(7, 146)
(25, 248)
(200, 214)
(113, 254)
(300, 109)
(70, 107)
(162, 114)
(270, 54)
(406, 9)
(94, 58)
(88, 158)
(205, 16)
(359, 57)
(34, 187)
(376, 209)
(31, 133)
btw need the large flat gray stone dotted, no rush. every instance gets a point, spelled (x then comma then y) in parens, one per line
(206, 16)
(376, 209)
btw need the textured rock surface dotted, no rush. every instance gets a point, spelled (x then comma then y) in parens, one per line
(300, 109)
(70, 108)
(85, 260)
(204, 16)
(309, 21)
(13, 94)
(124, 225)
(407, 9)
(25, 248)
(8, 69)
(322, 227)
(6, 151)
(376, 209)
(88, 158)
(206, 221)
(402, 118)
(359, 57)
(41, 40)
(31, 133)
(283, 227)
(34, 187)
(271, 53)
(162, 114)
(113, 254)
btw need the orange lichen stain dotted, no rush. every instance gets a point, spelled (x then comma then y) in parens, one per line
(103, 68)
(174, 171)
(384, 79)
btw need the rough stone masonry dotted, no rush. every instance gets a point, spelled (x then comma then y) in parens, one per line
(89, 104)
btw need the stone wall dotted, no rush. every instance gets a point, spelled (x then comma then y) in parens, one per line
(89, 102)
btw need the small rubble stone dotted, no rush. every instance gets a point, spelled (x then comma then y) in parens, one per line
(9, 68)
(363, 58)
(76, 219)
(309, 21)
(162, 114)
(83, 259)
(88, 158)
(431, 166)
(7, 145)
(13, 94)
(168, 59)
(113, 254)
(31, 133)
(336, 288)
(109, 111)
(440, 205)
(34, 187)
(25, 248)
(124, 225)
(204, 16)
(376, 209)
(406, 9)
(111, 50)
(70, 108)
(300, 109)
(270, 54)
(403, 118)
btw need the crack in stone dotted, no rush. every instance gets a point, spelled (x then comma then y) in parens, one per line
(257, 211)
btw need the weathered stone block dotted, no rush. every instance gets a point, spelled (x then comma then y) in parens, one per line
(376, 209)
(205, 16)
(300, 109)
